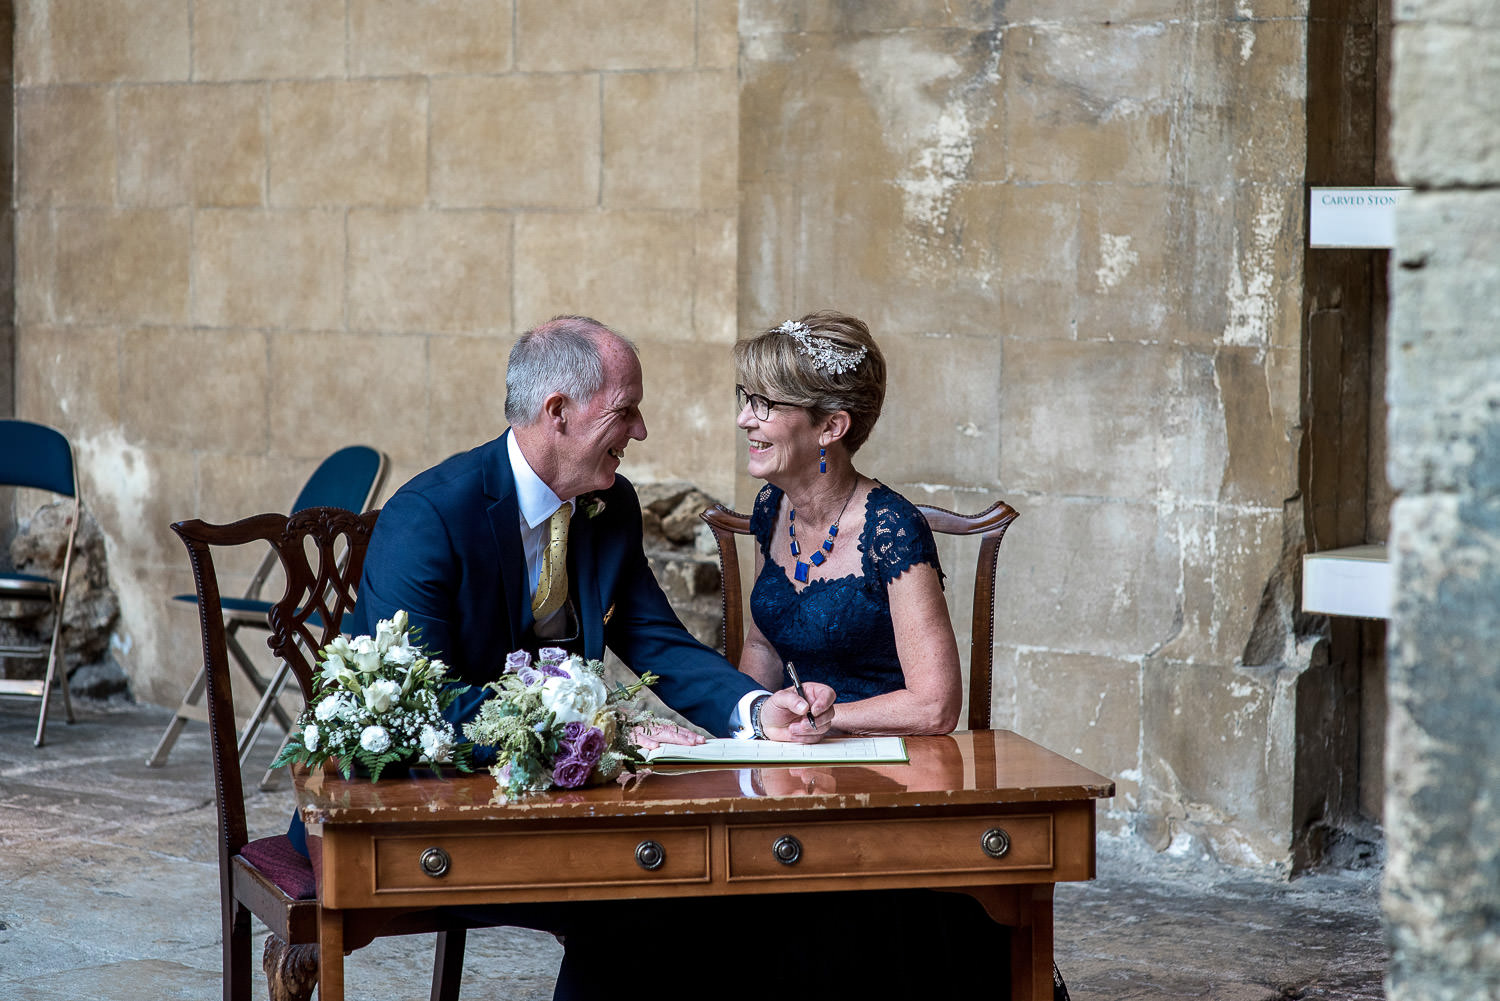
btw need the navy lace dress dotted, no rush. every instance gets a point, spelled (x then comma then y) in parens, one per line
(838, 631)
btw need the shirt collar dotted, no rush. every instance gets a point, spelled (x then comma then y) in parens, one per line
(535, 499)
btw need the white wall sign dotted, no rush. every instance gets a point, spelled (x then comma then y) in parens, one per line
(1353, 217)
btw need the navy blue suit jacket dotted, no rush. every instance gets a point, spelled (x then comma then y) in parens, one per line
(447, 548)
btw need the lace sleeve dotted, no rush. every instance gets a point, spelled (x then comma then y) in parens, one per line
(763, 516)
(901, 539)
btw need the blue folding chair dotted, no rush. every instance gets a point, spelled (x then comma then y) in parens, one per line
(351, 479)
(39, 457)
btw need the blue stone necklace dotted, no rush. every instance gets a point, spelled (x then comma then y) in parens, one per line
(820, 555)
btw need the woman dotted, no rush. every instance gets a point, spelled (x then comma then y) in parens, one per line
(847, 582)
(848, 588)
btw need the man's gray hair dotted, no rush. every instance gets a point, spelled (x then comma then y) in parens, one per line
(559, 356)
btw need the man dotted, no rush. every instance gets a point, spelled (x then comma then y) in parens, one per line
(461, 546)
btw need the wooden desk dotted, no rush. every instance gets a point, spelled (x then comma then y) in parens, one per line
(988, 813)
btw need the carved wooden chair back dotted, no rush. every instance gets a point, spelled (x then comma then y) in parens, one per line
(990, 525)
(322, 552)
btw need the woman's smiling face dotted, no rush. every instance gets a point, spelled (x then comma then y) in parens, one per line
(781, 445)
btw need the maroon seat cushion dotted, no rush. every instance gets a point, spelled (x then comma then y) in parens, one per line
(283, 865)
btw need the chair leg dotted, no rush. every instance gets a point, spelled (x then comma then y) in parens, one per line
(448, 965)
(236, 934)
(291, 970)
(52, 673)
(179, 720)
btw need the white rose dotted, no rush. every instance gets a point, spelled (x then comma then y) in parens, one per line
(381, 695)
(330, 708)
(576, 698)
(401, 655)
(310, 737)
(375, 739)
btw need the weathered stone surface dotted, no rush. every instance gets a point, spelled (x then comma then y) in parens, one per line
(444, 272)
(396, 37)
(635, 271)
(718, 33)
(298, 398)
(268, 268)
(1166, 441)
(515, 141)
(669, 140)
(194, 389)
(1199, 779)
(1090, 102)
(572, 35)
(192, 144)
(690, 434)
(941, 387)
(40, 547)
(1440, 813)
(78, 397)
(270, 40)
(65, 146)
(70, 41)
(1443, 136)
(1095, 576)
(352, 142)
(104, 266)
(1088, 708)
(471, 411)
(1444, 370)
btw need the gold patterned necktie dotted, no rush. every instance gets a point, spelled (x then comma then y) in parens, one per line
(552, 586)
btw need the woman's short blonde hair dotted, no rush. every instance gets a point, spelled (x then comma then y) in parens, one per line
(783, 367)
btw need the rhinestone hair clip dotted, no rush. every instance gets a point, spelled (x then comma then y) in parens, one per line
(825, 354)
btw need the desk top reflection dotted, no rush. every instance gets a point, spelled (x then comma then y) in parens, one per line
(966, 768)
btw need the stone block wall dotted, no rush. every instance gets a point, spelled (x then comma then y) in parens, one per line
(250, 233)
(1079, 240)
(1442, 889)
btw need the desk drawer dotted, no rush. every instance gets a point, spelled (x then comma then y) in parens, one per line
(890, 847)
(618, 856)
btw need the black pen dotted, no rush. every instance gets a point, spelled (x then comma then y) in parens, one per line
(797, 686)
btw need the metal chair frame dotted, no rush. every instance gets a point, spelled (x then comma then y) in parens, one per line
(58, 474)
(249, 612)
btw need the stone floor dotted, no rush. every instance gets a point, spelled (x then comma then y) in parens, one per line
(108, 890)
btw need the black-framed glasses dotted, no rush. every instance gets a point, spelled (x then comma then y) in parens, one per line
(760, 406)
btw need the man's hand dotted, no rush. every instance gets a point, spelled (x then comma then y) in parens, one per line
(784, 716)
(656, 734)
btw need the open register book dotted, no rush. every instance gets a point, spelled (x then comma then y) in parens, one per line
(833, 751)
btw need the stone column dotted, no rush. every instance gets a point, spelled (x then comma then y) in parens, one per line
(1442, 893)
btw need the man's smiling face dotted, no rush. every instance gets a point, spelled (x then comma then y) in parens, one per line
(598, 430)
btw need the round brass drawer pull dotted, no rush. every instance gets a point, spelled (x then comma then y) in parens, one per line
(787, 850)
(995, 842)
(650, 855)
(435, 862)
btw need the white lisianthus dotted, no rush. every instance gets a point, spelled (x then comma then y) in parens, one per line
(310, 736)
(391, 632)
(375, 739)
(331, 708)
(437, 744)
(381, 695)
(576, 698)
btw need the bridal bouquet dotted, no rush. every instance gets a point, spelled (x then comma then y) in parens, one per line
(555, 722)
(377, 702)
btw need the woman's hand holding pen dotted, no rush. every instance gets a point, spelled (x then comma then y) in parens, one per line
(784, 716)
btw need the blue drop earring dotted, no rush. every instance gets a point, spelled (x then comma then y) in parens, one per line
(822, 460)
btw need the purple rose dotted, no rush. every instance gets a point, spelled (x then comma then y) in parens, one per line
(530, 676)
(517, 661)
(551, 655)
(591, 746)
(571, 772)
(553, 670)
(574, 730)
